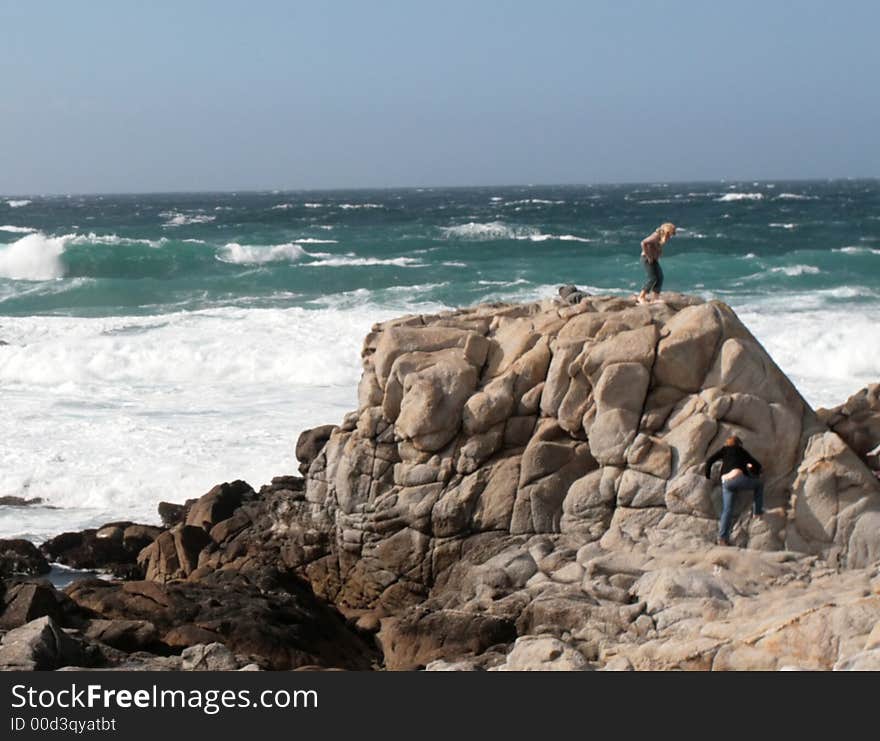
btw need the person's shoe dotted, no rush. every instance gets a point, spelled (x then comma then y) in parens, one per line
(723, 541)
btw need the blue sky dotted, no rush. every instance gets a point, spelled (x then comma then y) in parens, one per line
(133, 96)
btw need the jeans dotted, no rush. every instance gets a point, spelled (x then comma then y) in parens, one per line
(728, 493)
(653, 275)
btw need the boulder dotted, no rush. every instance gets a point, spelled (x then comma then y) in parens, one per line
(113, 547)
(24, 601)
(310, 443)
(543, 653)
(39, 645)
(21, 557)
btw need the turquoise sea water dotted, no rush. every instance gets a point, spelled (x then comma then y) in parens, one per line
(157, 344)
(151, 254)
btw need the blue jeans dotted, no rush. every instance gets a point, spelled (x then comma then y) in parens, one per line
(728, 493)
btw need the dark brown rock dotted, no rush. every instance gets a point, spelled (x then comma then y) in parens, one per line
(218, 504)
(310, 443)
(23, 601)
(12, 501)
(285, 628)
(174, 554)
(21, 557)
(113, 547)
(125, 635)
(173, 514)
(418, 637)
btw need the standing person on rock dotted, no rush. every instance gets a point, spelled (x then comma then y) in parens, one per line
(652, 249)
(739, 472)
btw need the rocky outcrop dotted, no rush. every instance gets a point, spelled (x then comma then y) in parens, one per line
(857, 422)
(278, 629)
(522, 487)
(19, 556)
(114, 547)
(518, 462)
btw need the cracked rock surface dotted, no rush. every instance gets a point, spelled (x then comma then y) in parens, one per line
(522, 487)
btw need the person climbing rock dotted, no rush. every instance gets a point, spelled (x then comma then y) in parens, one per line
(739, 472)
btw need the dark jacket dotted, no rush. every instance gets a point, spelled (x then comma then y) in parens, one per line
(732, 456)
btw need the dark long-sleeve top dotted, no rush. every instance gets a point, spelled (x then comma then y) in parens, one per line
(731, 457)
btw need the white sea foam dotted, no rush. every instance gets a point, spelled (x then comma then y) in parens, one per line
(348, 206)
(175, 218)
(168, 406)
(455, 264)
(822, 351)
(857, 250)
(33, 257)
(17, 229)
(533, 202)
(495, 230)
(335, 261)
(283, 206)
(740, 197)
(112, 239)
(249, 254)
(793, 270)
(313, 205)
(315, 240)
(517, 282)
(484, 231)
(776, 225)
(18, 203)
(795, 197)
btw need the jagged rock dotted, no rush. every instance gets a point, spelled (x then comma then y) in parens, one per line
(857, 421)
(174, 554)
(173, 514)
(41, 644)
(125, 635)
(483, 429)
(523, 486)
(310, 443)
(25, 601)
(13, 501)
(113, 547)
(285, 628)
(21, 557)
(218, 504)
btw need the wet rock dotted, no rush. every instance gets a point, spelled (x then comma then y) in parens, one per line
(113, 547)
(13, 501)
(21, 557)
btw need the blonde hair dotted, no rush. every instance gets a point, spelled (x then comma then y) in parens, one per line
(666, 231)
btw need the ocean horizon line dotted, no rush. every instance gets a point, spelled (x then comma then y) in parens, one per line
(417, 188)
